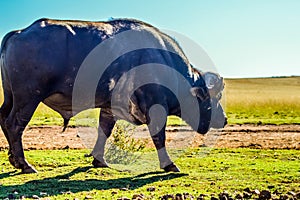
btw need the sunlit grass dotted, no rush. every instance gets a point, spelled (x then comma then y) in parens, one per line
(67, 174)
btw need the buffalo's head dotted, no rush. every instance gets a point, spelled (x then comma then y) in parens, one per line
(215, 85)
(208, 91)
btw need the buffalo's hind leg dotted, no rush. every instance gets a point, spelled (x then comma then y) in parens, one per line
(4, 112)
(106, 124)
(15, 124)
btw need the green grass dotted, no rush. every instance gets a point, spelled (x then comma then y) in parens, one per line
(263, 100)
(254, 101)
(66, 174)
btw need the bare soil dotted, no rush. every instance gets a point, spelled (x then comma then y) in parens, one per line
(233, 136)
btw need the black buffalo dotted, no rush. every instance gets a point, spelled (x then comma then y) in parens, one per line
(42, 63)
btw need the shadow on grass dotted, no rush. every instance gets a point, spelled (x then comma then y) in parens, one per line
(7, 174)
(62, 183)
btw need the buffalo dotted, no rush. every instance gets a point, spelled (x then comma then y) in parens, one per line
(127, 68)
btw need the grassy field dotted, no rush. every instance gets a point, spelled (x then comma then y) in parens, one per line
(66, 174)
(263, 100)
(255, 100)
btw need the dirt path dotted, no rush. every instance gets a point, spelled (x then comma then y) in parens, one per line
(267, 137)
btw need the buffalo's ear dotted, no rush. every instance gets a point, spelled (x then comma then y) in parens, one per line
(200, 93)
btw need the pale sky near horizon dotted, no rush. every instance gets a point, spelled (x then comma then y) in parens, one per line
(244, 38)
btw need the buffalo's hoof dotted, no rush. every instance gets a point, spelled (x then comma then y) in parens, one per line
(96, 163)
(29, 170)
(13, 162)
(171, 168)
(26, 168)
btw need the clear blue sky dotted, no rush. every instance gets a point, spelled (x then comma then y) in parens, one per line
(245, 38)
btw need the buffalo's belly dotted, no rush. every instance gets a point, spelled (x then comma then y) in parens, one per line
(61, 104)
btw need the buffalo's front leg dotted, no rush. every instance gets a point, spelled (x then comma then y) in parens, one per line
(106, 124)
(158, 136)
